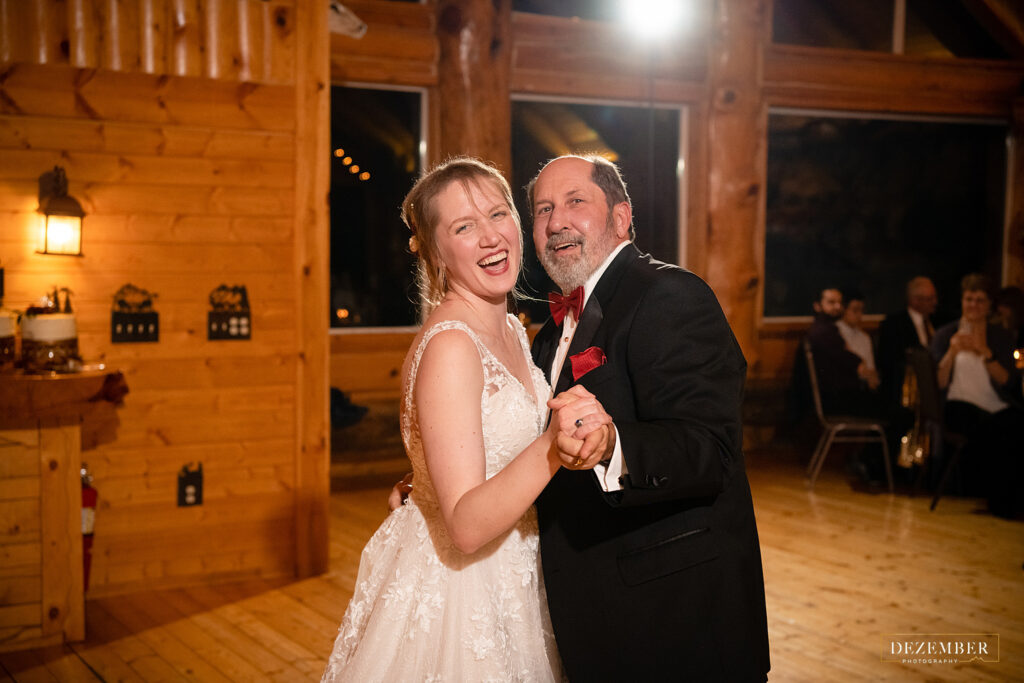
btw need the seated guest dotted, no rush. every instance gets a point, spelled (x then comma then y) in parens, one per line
(1009, 312)
(975, 367)
(844, 379)
(905, 329)
(851, 328)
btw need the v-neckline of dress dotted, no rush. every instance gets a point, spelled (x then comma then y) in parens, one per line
(533, 395)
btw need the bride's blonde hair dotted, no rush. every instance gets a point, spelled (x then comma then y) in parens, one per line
(420, 214)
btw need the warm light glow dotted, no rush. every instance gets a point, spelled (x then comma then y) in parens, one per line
(342, 313)
(656, 18)
(365, 175)
(339, 152)
(347, 160)
(354, 168)
(60, 235)
(1016, 354)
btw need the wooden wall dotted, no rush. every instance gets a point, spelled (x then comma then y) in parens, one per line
(189, 133)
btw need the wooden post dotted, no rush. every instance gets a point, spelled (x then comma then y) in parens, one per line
(735, 165)
(312, 153)
(1014, 274)
(473, 79)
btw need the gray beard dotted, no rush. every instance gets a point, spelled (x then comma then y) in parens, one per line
(568, 276)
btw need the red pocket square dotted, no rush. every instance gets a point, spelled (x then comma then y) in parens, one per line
(585, 361)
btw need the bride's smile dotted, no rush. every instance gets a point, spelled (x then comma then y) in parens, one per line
(479, 239)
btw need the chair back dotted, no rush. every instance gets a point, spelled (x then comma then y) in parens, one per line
(929, 399)
(812, 375)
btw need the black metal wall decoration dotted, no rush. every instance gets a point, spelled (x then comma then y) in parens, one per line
(133, 318)
(230, 318)
(190, 485)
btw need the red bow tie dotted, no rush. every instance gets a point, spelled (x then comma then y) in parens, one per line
(560, 305)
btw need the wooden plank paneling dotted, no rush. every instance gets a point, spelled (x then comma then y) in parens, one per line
(20, 559)
(213, 38)
(19, 522)
(869, 81)
(153, 36)
(142, 139)
(571, 57)
(176, 123)
(67, 92)
(128, 169)
(84, 29)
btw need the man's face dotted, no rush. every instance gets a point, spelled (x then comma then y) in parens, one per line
(923, 298)
(573, 230)
(854, 313)
(830, 303)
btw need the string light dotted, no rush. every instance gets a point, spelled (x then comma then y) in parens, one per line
(353, 168)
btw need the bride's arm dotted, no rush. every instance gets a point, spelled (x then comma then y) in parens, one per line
(475, 509)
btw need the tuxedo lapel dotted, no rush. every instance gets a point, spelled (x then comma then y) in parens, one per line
(544, 347)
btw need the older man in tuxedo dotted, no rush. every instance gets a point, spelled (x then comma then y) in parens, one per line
(902, 330)
(649, 548)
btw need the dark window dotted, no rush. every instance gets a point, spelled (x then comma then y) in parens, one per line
(871, 203)
(856, 25)
(953, 28)
(643, 141)
(372, 271)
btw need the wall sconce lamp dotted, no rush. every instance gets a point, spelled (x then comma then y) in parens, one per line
(60, 221)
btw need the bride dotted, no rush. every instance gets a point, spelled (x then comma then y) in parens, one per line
(449, 587)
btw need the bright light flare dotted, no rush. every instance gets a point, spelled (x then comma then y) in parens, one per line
(655, 18)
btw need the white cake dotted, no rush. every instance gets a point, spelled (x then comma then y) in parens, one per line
(54, 327)
(7, 324)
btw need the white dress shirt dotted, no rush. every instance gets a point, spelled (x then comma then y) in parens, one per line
(924, 335)
(607, 476)
(858, 341)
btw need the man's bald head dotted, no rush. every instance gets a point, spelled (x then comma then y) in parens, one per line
(921, 295)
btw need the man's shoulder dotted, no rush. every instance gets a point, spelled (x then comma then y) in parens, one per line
(646, 272)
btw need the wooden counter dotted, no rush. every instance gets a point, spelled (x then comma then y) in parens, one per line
(41, 586)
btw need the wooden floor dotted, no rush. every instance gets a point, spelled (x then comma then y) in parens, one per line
(841, 569)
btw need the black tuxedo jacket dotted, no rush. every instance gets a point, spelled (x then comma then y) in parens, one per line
(896, 334)
(662, 580)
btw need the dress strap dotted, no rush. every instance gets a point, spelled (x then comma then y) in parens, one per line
(414, 366)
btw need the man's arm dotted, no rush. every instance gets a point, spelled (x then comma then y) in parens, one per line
(687, 375)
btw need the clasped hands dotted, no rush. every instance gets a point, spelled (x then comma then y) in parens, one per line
(583, 431)
(966, 341)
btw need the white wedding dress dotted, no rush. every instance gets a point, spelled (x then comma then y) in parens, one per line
(424, 611)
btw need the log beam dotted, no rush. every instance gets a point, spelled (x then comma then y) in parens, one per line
(736, 146)
(473, 79)
(1013, 270)
(312, 177)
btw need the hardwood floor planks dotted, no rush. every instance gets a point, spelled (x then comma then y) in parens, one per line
(842, 568)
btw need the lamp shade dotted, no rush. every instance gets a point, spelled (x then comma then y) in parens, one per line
(60, 221)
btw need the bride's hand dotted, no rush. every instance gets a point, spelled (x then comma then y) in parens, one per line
(583, 430)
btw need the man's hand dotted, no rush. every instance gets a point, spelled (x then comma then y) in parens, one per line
(584, 454)
(582, 428)
(400, 492)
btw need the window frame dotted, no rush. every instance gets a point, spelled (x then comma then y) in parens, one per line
(422, 155)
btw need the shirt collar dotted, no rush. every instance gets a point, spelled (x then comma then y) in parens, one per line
(591, 283)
